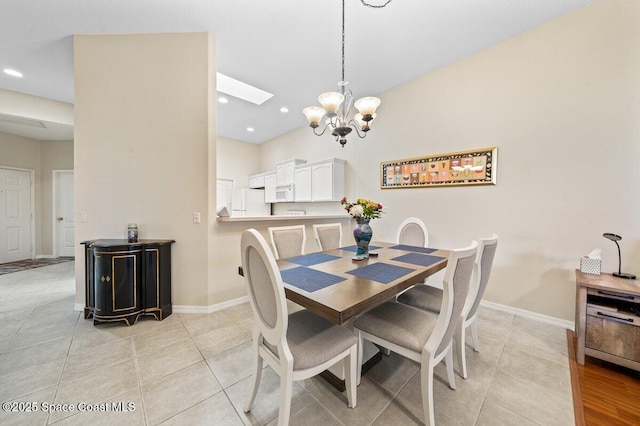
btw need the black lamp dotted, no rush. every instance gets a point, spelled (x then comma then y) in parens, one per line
(615, 238)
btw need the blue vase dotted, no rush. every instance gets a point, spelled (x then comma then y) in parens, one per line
(362, 233)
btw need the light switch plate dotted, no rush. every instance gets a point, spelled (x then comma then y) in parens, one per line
(196, 217)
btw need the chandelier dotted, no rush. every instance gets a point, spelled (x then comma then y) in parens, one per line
(337, 106)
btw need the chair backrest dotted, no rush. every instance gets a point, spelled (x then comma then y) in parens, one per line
(456, 284)
(288, 241)
(328, 235)
(265, 288)
(413, 232)
(484, 262)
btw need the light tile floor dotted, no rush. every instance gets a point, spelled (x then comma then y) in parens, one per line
(194, 370)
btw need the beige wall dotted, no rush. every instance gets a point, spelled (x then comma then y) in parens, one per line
(145, 147)
(237, 160)
(56, 155)
(562, 103)
(24, 153)
(42, 157)
(21, 105)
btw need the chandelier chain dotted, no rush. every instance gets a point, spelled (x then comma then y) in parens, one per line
(343, 43)
(374, 6)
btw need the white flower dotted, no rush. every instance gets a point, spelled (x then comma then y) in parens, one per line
(356, 211)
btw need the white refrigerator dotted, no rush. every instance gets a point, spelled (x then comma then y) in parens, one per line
(249, 202)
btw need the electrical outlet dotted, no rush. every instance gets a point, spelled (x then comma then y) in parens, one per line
(196, 217)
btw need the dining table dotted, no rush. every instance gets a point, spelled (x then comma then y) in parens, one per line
(333, 285)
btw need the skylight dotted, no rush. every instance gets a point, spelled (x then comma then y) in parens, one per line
(238, 89)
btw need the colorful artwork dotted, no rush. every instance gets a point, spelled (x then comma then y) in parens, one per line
(477, 167)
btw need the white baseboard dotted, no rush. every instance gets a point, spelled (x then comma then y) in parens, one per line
(194, 309)
(190, 309)
(558, 322)
(44, 256)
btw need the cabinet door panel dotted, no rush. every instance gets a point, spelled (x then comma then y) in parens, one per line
(125, 282)
(322, 182)
(303, 184)
(270, 188)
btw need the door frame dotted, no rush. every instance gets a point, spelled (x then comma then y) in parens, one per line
(32, 220)
(54, 200)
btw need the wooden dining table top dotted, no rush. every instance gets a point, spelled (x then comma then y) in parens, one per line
(355, 295)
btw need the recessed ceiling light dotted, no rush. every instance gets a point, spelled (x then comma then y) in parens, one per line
(284, 109)
(223, 100)
(238, 89)
(12, 72)
(250, 129)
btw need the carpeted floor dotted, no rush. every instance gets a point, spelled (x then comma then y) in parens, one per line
(21, 265)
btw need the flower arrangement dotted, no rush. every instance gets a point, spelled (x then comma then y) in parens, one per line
(362, 209)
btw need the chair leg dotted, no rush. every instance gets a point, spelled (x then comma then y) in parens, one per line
(350, 371)
(448, 360)
(426, 384)
(257, 373)
(360, 356)
(459, 341)
(474, 334)
(286, 391)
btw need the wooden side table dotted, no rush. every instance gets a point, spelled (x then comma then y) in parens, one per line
(608, 319)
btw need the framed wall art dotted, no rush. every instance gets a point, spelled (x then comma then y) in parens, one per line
(475, 167)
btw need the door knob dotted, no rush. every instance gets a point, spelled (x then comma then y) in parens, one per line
(60, 219)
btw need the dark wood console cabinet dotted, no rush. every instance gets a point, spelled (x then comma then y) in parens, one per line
(125, 280)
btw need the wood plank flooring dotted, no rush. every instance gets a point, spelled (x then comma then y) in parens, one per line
(608, 394)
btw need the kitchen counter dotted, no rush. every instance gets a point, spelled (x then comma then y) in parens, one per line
(281, 218)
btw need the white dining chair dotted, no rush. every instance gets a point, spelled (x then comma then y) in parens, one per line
(413, 232)
(430, 299)
(418, 335)
(287, 241)
(295, 346)
(328, 235)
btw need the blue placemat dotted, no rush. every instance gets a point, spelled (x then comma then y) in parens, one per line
(309, 279)
(418, 259)
(355, 248)
(381, 272)
(413, 248)
(312, 259)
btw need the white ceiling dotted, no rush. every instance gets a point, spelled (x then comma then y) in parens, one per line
(290, 48)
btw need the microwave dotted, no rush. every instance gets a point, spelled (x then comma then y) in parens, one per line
(284, 193)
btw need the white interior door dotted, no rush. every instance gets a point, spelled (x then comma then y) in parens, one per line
(65, 227)
(15, 215)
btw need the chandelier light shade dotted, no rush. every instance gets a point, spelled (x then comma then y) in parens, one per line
(331, 101)
(337, 106)
(314, 115)
(367, 106)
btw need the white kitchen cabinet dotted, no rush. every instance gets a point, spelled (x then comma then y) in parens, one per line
(257, 181)
(285, 171)
(302, 178)
(270, 188)
(320, 181)
(327, 180)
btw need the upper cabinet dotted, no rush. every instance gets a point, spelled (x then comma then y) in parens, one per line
(285, 171)
(302, 176)
(320, 180)
(270, 187)
(257, 181)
